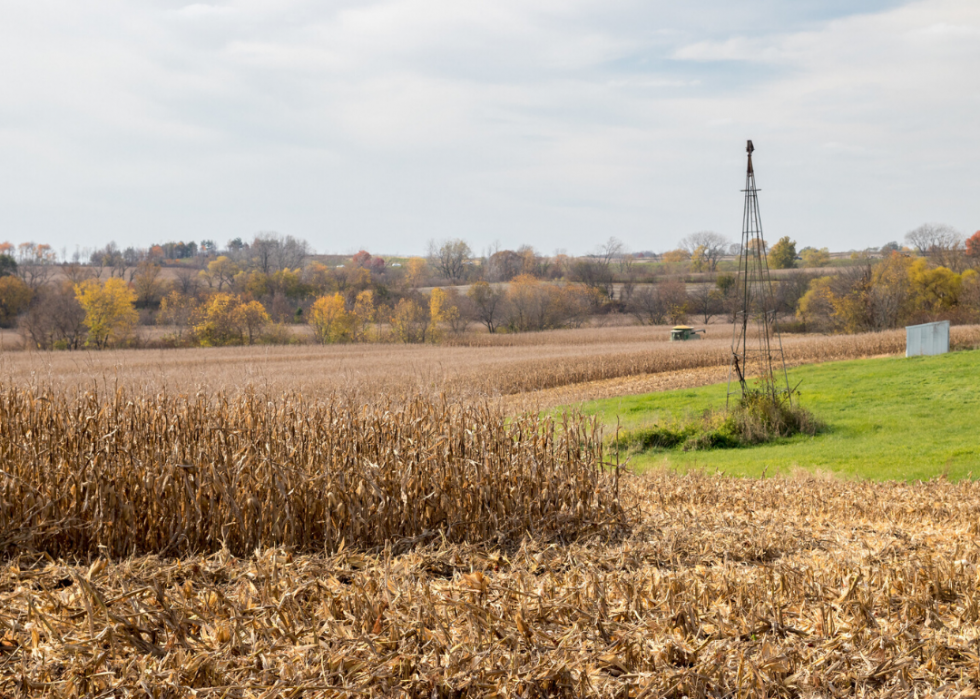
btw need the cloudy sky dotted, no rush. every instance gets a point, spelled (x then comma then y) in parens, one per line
(381, 124)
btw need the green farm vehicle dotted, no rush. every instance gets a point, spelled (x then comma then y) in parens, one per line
(684, 332)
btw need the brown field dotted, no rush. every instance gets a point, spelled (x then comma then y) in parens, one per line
(367, 521)
(720, 588)
(512, 365)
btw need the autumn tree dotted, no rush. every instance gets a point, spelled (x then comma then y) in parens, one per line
(220, 272)
(416, 272)
(363, 315)
(450, 258)
(705, 249)
(227, 319)
(410, 321)
(177, 310)
(812, 257)
(972, 249)
(148, 285)
(8, 265)
(110, 314)
(441, 312)
(783, 254)
(54, 319)
(330, 320)
(488, 304)
(15, 295)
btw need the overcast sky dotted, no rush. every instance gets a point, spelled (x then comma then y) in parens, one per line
(381, 124)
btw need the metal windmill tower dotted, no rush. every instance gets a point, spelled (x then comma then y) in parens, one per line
(757, 349)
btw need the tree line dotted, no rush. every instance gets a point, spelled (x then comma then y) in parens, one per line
(248, 292)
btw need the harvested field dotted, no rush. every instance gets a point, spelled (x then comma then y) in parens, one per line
(798, 586)
(367, 372)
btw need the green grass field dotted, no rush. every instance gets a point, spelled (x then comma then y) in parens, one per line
(893, 418)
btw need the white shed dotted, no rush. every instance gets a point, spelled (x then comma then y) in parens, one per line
(928, 338)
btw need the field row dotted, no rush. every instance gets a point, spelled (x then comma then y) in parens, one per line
(368, 372)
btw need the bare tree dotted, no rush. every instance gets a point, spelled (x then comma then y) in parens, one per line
(271, 252)
(488, 304)
(450, 258)
(706, 301)
(706, 245)
(628, 272)
(35, 264)
(942, 244)
(54, 319)
(187, 280)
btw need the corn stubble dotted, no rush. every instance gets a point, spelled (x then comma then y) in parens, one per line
(796, 586)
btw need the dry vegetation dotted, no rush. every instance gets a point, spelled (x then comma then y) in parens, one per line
(224, 523)
(128, 474)
(518, 365)
(782, 587)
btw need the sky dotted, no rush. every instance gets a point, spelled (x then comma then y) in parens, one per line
(383, 124)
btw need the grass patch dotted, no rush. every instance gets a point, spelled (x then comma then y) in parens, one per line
(891, 418)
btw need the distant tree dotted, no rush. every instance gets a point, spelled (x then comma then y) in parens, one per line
(148, 286)
(783, 254)
(330, 320)
(35, 264)
(488, 304)
(941, 244)
(675, 256)
(450, 258)
(110, 314)
(410, 321)
(416, 272)
(812, 257)
(176, 310)
(8, 265)
(227, 319)
(973, 249)
(54, 319)
(705, 300)
(674, 296)
(705, 249)
(889, 248)
(186, 280)
(15, 295)
(220, 272)
(364, 314)
(441, 312)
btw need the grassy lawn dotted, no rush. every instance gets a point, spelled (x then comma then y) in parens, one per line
(893, 418)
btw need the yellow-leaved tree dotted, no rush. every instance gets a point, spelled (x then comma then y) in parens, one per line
(226, 319)
(364, 313)
(441, 312)
(110, 314)
(409, 321)
(330, 320)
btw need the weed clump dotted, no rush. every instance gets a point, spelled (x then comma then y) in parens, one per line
(756, 419)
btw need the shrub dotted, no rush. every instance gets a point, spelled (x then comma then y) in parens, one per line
(755, 419)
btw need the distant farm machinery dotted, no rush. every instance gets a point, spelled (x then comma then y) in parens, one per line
(685, 332)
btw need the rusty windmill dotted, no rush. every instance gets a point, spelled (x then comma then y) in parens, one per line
(757, 349)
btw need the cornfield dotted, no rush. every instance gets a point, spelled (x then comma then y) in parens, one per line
(123, 474)
(785, 587)
(539, 361)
